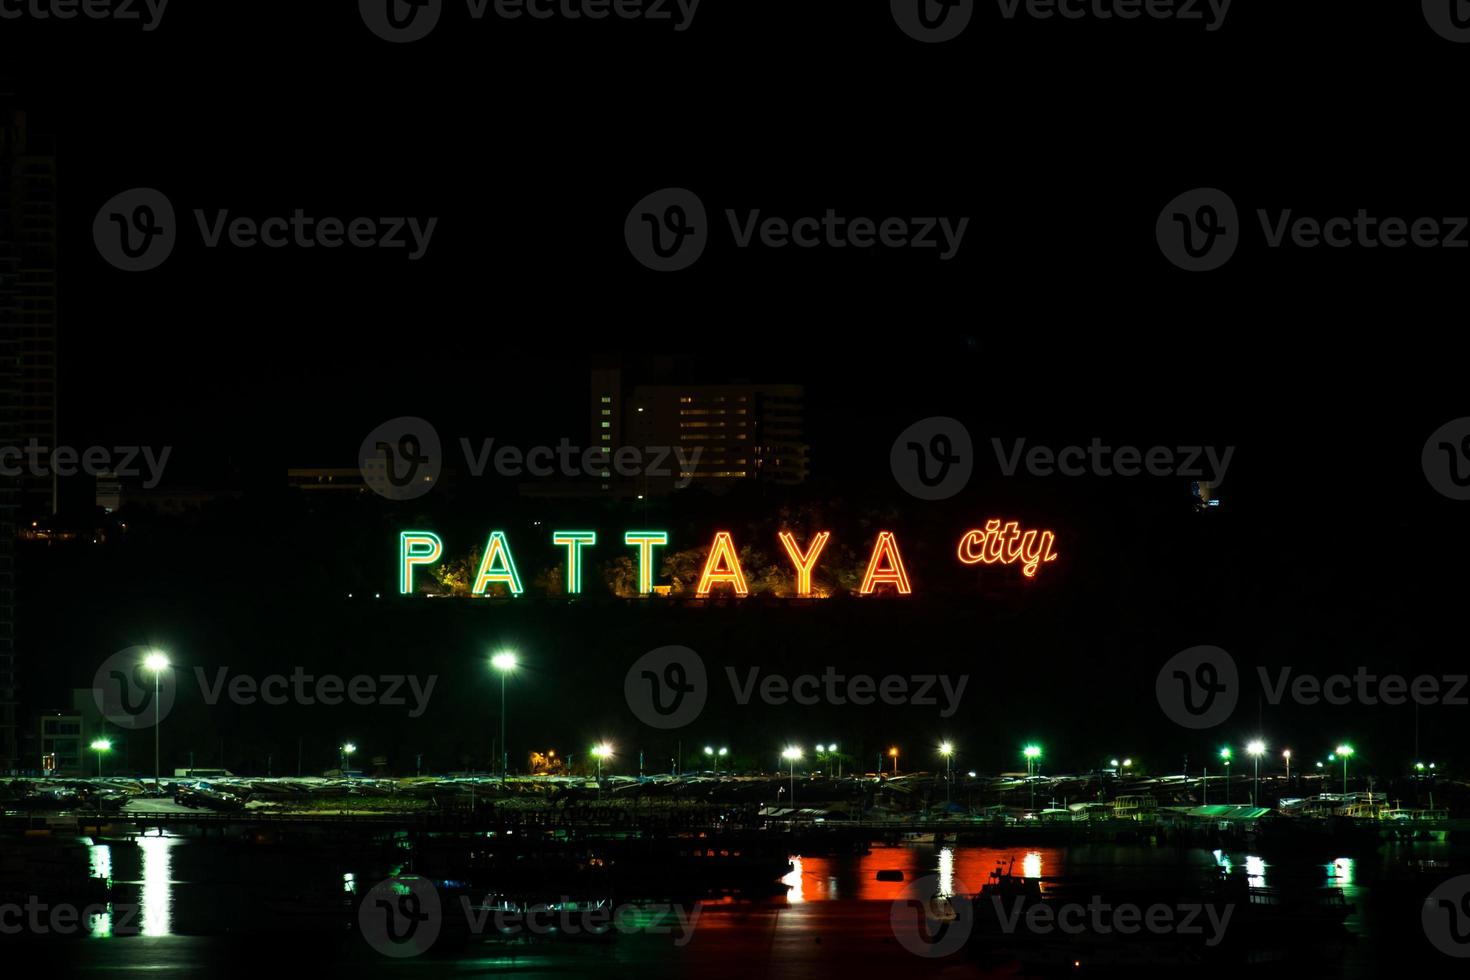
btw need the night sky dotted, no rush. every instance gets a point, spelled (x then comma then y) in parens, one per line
(1058, 321)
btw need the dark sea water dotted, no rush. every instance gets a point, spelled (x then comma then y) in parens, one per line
(183, 907)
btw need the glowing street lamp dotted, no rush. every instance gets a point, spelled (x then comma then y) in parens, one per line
(893, 754)
(832, 751)
(157, 662)
(946, 749)
(1225, 756)
(100, 746)
(601, 751)
(1345, 751)
(791, 753)
(505, 662)
(1032, 753)
(1256, 749)
(1286, 754)
(344, 750)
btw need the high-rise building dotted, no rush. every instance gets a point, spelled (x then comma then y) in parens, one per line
(741, 432)
(28, 333)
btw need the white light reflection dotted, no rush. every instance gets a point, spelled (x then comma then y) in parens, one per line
(793, 882)
(1343, 871)
(1031, 865)
(100, 860)
(946, 872)
(1255, 869)
(157, 893)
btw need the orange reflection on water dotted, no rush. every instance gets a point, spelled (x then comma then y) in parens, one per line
(963, 870)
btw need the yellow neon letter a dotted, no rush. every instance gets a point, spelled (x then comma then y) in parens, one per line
(722, 565)
(497, 566)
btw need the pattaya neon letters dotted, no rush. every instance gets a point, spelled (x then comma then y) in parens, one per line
(646, 541)
(497, 567)
(722, 565)
(416, 548)
(804, 562)
(997, 544)
(886, 565)
(1008, 545)
(574, 542)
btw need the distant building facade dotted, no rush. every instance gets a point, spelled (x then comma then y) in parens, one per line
(725, 434)
(28, 338)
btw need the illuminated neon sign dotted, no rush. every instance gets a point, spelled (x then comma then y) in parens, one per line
(804, 562)
(996, 544)
(416, 548)
(722, 565)
(574, 542)
(645, 541)
(886, 565)
(1008, 545)
(497, 567)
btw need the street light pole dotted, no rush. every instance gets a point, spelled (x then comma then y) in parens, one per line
(946, 749)
(1256, 748)
(156, 662)
(792, 753)
(1344, 751)
(505, 662)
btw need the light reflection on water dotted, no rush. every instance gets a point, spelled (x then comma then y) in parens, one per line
(100, 866)
(156, 898)
(946, 872)
(793, 880)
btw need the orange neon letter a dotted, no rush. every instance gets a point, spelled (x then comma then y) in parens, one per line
(722, 565)
(886, 565)
(804, 562)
